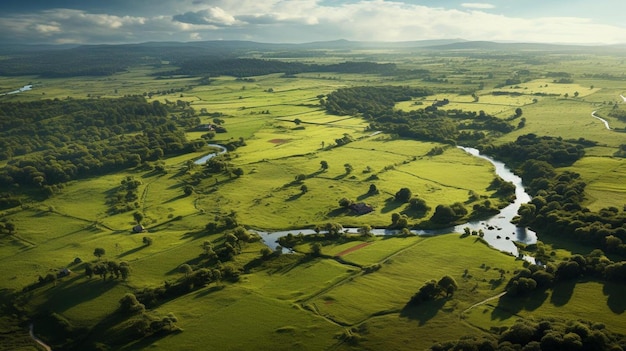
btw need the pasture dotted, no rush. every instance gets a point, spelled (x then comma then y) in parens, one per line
(302, 302)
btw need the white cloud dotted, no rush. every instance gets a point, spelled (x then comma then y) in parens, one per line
(47, 28)
(302, 21)
(477, 5)
(211, 16)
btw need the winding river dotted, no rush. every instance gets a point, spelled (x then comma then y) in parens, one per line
(22, 89)
(498, 230)
(204, 159)
(606, 123)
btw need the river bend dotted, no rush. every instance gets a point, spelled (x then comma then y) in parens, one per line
(498, 230)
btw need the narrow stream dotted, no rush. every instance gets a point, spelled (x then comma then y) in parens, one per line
(22, 89)
(204, 159)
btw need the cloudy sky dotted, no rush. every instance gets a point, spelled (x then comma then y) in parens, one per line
(298, 21)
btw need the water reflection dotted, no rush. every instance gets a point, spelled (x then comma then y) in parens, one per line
(498, 231)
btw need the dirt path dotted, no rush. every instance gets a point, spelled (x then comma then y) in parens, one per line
(37, 340)
(485, 301)
(303, 303)
(352, 249)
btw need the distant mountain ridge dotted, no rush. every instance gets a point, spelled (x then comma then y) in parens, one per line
(241, 46)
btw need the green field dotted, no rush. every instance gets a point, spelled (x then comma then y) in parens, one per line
(297, 301)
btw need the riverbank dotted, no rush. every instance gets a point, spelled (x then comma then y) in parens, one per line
(498, 231)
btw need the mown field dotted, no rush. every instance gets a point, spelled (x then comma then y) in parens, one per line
(298, 301)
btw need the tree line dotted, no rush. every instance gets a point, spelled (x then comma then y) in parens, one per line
(376, 104)
(247, 67)
(544, 334)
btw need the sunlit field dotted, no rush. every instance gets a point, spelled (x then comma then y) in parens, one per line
(296, 169)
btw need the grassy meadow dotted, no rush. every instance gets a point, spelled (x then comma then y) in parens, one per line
(298, 302)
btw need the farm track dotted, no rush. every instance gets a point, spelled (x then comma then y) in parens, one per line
(37, 340)
(304, 303)
(433, 181)
(484, 301)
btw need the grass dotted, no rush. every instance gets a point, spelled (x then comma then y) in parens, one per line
(276, 201)
(589, 301)
(222, 319)
(603, 176)
(297, 302)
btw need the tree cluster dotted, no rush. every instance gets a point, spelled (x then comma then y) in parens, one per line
(548, 334)
(377, 105)
(555, 151)
(125, 197)
(446, 214)
(110, 269)
(594, 265)
(431, 290)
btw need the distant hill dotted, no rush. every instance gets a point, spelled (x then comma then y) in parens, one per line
(103, 60)
(491, 45)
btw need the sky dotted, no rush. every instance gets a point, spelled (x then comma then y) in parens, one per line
(301, 21)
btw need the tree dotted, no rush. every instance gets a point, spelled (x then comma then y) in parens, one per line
(188, 190)
(208, 249)
(185, 269)
(99, 252)
(576, 94)
(324, 165)
(366, 230)
(403, 195)
(418, 204)
(448, 284)
(88, 270)
(518, 112)
(428, 291)
(304, 188)
(170, 320)
(345, 202)
(130, 304)
(443, 214)
(394, 218)
(300, 177)
(147, 241)
(316, 249)
(124, 270)
(138, 216)
(238, 172)
(266, 253)
(242, 234)
(9, 227)
(348, 167)
(297, 121)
